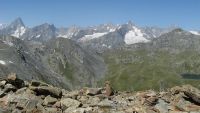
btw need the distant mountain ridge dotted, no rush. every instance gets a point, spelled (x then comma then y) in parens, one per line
(125, 34)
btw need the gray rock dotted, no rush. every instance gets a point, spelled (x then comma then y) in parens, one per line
(79, 110)
(68, 102)
(93, 91)
(32, 103)
(51, 110)
(93, 101)
(12, 79)
(106, 103)
(2, 83)
(2, 94)
(151, 101)
(72, 94)
(192, 92)
(57, 104)
(162, 106)
(23, 101)
(16, 111)
(22, 104)
(9, 87)
(37, 83)
(4, 110)
(71, 110)
(49, 100)
(47, 90)
(22, 90)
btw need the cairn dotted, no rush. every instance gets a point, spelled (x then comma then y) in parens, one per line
(108, 89)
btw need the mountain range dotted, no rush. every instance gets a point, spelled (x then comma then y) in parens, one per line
(125, 54)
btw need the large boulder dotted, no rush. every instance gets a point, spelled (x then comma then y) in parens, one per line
(49, 100)
(8, 88)
(192, 93)
(106, 103)
(91, 91)
(37, 83)
(162, 106)
(12, 79)
(25, 101)
(47, 90)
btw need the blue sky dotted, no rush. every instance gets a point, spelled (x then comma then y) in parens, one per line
(163, 13)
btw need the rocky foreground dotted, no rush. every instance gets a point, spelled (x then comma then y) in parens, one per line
(18, 96)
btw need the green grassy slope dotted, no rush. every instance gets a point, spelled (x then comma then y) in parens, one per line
(141, 69)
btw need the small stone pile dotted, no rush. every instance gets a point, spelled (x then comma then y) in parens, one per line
(18, 96)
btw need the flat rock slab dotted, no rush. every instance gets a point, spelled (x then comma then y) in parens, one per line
(68, 102)
(48, 90)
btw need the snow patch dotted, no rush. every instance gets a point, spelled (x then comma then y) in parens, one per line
(8, 43)
(38, 36)
(10, 62)
(93, 36)
(135, 36)
(68, 35)
(107, 46)
(195, 32)
(112, 30)
(19, 32)
(2, 62)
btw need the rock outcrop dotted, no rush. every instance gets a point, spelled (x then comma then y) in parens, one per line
(18, 96)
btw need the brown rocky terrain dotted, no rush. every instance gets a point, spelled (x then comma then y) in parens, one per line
(19, 96)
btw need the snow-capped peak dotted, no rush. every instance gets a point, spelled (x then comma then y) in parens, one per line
(135, 36)
(68, 32)
(17, 23)
(195, 32)
(19, 31)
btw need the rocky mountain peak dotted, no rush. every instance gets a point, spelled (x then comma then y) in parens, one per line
(17, 23)
(178, 30)
(130, 23)
(41, 32)
(46, 26)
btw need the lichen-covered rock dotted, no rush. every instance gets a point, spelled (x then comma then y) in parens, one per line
(47, 90)
(2, 84)
(12, 79)
(49, 100)
(162, 106)
(8, 88)
(92, 91)
(192, 93)
(37, 83)
(106, 103)
(72, 94)
(68, 102)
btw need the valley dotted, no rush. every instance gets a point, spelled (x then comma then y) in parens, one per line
(76, 57)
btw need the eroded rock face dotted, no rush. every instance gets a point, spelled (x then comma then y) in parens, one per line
(39, 97)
